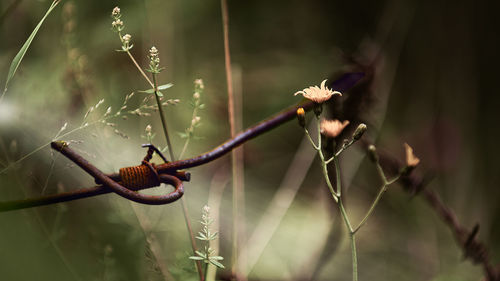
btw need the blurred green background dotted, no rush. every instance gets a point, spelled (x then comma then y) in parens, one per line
(435, 87)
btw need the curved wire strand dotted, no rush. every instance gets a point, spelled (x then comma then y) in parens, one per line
(343, 84)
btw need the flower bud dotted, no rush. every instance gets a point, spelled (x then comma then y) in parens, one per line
(199, 84)
(358, 133)
(195, 120)
(116, 12)
(126, 38)
(372, 153)
(301, 116)
(117, 23)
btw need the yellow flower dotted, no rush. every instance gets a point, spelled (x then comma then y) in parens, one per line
(411, 159)
(332, 128)
(318, 94)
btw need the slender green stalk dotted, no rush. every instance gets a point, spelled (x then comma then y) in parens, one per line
(172, 157)
(154, 85)
(310, 139)
(135, 62)
(139, 68)
(352, 237)
(354, 255)
(185, 211)
(381, 192)
(195, 113)
(327, 178)
(162, 117)
(323, 164)
(337, 175)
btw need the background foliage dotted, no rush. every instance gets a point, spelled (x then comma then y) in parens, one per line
(435, 85)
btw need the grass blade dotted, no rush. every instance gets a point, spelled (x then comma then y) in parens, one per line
(20, 55)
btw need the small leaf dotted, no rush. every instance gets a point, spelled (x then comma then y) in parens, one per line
(150, 91)
(218, 264)
(166, 86)
(201, 254)
(217, 258)
(20, 55)
(196, 258)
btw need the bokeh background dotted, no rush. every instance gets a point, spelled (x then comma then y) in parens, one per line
(434, 86)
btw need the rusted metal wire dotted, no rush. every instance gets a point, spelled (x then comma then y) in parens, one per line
(143, 176)
(415, 184)
(147, 174)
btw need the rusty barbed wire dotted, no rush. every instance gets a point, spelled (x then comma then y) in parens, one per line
(147, 174)
(415, 184)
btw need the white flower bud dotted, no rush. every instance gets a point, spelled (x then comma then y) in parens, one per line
(153, 52)
(117, 22)
(195, 120)
(126, 38)
(116, 12)
(199, 83)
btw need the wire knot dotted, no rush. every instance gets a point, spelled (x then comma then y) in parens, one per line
(139, 177)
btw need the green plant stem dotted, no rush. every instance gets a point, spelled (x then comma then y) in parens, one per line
(162, 117)
(337, 176)
(191, 236)
(381, 192)
(344, 147)
(140, 69)
(327, 178)
(354, 255)
(372, 207)
(195, 112)
(310, 139)
(185, 211)
(135, 63)
(338, 198)
(352, 237)
(184, 147)
(323, 163)
(172, 156)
